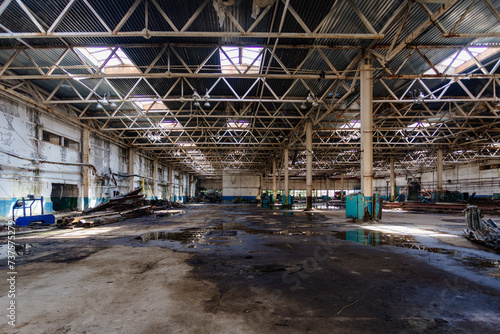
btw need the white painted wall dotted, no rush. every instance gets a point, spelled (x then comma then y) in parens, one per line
(235, 183)
(21, 133)
(210, 184)
(463, 178)
(318, 184)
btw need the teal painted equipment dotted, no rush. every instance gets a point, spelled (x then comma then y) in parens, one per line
(354, 206)
(361, 207)
(290, 199)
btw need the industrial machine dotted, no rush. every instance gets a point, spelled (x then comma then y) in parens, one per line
(360, 207)
(27, 203)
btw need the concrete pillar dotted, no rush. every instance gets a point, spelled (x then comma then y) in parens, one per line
(131, 160)
(393, 181)
(170, 183)
(309, 177)
(155, 177)
(341, 187)
(86, 174)
(439, 171)
(366, 88)
(261, 188)
(285, 172)
(326, 188)
(275, 187)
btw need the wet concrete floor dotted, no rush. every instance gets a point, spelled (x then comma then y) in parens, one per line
(243, 269)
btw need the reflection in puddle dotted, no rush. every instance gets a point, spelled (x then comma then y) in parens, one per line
(375, 238)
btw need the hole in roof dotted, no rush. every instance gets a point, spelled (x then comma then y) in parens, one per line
(246, 59)
(462, 60)
(118, 63)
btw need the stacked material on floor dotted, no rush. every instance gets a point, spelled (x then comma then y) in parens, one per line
(118, 208)
(485, 232)
(438, 207)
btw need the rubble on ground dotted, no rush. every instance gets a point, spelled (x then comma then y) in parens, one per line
(117, 208)
(485, 232)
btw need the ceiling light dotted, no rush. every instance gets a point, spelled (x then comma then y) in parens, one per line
(309, 98)
(113, 105)
(315, 103)
(196, 97)
(303, 106)
(420, 97)
(206, 97)
(99, 106)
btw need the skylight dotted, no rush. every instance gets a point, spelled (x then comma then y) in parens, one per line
(151, 106)
(238, 125)
(168, 124)
(246, 59)
(118, 63)
(356, 124)
(186, 144)
(461, 60)
(419, 125)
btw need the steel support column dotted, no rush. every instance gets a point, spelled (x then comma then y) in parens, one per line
(309, 184)
(285, 172)
(275, 187)
(131, 158)
(170, 182)
(393, 181)
(85, 198)
(366, 86)
(155, 178)
(341, 187)
(439, 171)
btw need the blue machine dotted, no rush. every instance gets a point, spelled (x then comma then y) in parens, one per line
(27, 203)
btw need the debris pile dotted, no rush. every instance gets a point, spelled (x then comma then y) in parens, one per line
(485, 232)
(118, 208)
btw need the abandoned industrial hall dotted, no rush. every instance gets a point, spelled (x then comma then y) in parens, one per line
(249, 166)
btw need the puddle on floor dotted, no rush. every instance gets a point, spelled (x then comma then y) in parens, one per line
(317, 206)
(480, 263)
(376, 238)
(212, 238)
(20, 250)
(224, 233)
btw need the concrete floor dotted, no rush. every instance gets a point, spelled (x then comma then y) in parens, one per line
(242, 269)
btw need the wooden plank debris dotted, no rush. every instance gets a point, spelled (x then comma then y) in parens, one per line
(118, 208)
